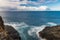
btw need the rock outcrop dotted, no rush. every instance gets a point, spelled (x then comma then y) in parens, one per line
(8, 32)
(51, 33)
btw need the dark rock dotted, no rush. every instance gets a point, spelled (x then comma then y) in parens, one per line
(51, 33)
(1, 23)
(8, 32)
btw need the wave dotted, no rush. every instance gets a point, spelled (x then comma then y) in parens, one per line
(27, 31)
(35, 30)
(17, 25)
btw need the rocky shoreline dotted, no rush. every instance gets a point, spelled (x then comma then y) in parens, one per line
(8, 32)
(51, 33)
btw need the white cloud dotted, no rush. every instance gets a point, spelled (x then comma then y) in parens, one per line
(15, 4)
(55, 8)
(43, 7)
(38, 2)
(40, 8)
(6, 4)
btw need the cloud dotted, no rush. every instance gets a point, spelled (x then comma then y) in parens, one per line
(39, 2)
(6, 5)
(55, 8)
(40, 8)
(47, 1)
(14, 5)
(43, 8)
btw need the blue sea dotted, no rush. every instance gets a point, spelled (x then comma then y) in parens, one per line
(30, 23)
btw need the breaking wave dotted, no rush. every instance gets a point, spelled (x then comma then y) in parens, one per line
(29, 32)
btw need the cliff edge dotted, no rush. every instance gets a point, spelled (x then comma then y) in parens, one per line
(51, 33)
(8, 32)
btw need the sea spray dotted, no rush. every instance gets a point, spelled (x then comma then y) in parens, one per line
(19, 27)
(35, 30)
(28, 32)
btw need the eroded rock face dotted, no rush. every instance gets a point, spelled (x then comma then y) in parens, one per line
(8, 32)
(51, 33)
(1, 23)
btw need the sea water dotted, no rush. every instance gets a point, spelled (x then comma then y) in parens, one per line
(30, 23)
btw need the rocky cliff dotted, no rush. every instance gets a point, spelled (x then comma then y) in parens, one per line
(8, 32)
(51, 33)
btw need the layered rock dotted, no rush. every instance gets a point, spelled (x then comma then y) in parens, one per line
(51, 33)
(8, 32)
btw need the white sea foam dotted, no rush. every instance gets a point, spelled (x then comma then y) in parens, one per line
(51, 24)
(33, 31)
(36, 30)
(17, 25)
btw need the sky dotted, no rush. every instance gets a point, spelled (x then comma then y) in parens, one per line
(29, 5)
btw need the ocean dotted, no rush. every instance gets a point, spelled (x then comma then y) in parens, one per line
(30, 23)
